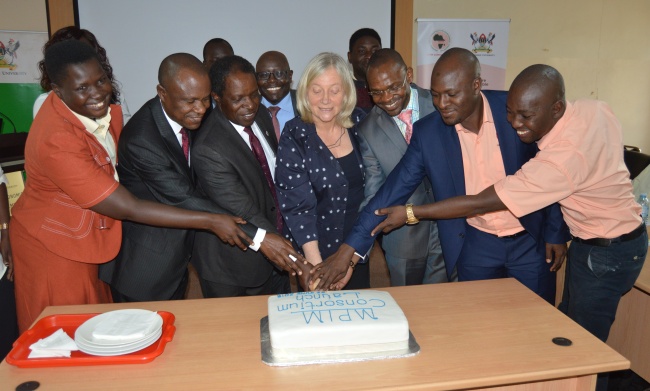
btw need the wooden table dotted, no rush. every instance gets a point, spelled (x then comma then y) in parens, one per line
(473, 335)
(630, 334)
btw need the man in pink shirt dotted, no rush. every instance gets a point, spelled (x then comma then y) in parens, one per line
(580, 166)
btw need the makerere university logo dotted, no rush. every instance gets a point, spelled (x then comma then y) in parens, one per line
(9, 54)
(481, 43)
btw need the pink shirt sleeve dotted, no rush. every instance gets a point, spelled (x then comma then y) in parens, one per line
(540, 182)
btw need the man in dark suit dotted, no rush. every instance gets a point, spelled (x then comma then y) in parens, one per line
(234, 158)
(153, 153)
(452, 147)
(274, 77)
(383, 137)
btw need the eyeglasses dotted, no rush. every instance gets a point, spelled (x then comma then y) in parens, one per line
(280, 75)
(390, 90)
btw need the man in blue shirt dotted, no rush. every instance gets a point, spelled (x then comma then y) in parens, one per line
(274, 79)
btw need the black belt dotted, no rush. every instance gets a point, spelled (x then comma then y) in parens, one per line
(602, 242)
(518, 234)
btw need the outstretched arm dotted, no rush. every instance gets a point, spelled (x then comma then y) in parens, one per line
(461, 206)
(122, 205)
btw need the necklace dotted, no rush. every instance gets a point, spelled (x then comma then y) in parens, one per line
(337, 143)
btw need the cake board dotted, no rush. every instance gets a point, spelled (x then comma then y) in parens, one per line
(270, 359)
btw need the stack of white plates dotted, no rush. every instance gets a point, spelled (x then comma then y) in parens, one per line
(115, 345)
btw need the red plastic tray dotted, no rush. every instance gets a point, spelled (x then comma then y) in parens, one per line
(69, 323)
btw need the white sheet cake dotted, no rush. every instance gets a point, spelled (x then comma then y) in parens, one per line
(307, 324)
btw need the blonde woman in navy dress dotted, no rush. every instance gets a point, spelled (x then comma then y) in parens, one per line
(319, 171)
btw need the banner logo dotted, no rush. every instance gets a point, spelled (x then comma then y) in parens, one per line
(482, 44)
(8, 54)
(440, 40)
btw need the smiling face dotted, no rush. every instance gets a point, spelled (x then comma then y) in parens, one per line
(389, 87)
(186, 97)
(456, 91)
(533, 112)
(85, 89)
(274, 89)
(325, 96)
(240, 98)
(361, 52)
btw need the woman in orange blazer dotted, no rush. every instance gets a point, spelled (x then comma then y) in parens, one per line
(66, 222)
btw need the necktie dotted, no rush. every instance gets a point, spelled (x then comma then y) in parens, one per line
(274, 117)
(258, 151)
(405, 116)
(185, 139)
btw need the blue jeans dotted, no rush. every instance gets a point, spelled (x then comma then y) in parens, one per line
(596, 278)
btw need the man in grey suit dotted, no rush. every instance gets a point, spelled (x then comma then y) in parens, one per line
(383, 137)
(234, 157)
(153, 153)
(274, 77)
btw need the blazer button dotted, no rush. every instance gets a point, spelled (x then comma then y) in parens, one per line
(461, 235)
(273, 208)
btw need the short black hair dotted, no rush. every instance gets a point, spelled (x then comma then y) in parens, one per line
(364, 32)
(224, 67)
(216, 41)
(62, 54)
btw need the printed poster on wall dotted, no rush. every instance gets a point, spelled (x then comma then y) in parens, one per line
(486, 38)
(20, 52)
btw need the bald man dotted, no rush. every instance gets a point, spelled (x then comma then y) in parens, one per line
(153, 154)
(464, 147)
(274, 77)
(580, 165)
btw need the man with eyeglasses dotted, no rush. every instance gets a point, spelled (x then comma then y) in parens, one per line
(464, 147)
(274, 79)
(384, 136)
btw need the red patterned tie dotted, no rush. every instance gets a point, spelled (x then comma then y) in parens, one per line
(258, 151)
(405, 116)
(274, 117)
(185, 139)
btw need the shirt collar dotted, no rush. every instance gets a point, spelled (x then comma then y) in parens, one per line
(285, 104)
(487, 116)
(97, 126)
(557, 129)
(176, 127)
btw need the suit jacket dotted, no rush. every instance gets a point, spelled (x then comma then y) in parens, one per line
(153, 260)
(228, 173)
(382, 146)
(312, 188)
(435, 152)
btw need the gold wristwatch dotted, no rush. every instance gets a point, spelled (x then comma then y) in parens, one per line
(410, 217)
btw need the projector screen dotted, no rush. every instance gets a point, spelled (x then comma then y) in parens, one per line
(138, 34)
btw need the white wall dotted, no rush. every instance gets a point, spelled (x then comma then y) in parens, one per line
(137, 35)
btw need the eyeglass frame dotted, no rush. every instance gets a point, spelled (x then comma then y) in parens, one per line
(279, 75)
(390, 90)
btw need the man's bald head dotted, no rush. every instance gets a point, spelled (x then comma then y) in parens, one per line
(456, 88)
(542, 77)
(184, 89)
(174, 63)
(536, 102)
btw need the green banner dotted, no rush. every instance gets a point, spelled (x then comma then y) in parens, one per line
(16, 104)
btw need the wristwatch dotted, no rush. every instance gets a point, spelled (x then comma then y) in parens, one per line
(410, 217)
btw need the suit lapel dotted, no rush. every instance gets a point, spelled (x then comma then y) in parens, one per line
(167, 134)
(390, 129)
(454, 158)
